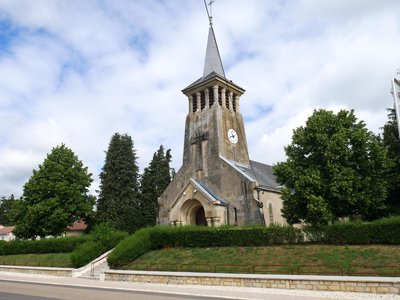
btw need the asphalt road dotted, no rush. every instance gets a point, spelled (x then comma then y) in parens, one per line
(10, 290)
(18, 286)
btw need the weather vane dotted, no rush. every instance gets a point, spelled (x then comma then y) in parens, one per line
(209, 12)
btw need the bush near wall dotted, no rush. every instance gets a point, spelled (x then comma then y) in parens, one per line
(49, 245)
(102, 239)
(194, 236)
(383, 231)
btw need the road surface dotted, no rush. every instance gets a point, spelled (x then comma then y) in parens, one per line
(11, 290)
(14, 286)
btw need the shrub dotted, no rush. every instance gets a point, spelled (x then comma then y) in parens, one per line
(102, 239)
(132, 247)
(383, 231)
(85, 253)
(194, 236)
(314, 233)
(387, 231)
(349, 233)
(48, 245)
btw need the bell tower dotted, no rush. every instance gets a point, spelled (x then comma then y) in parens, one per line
(216, 184)
(214, 126)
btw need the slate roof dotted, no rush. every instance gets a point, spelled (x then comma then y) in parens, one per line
(209, 76)
(262, 173)
(209, 192)
(213, 66)
(213, 62)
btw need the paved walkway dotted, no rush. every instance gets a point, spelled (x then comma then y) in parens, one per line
(227, 292)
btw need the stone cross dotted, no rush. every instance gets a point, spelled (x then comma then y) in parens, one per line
(198, 140)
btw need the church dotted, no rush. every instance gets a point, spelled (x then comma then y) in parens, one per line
(218, 184)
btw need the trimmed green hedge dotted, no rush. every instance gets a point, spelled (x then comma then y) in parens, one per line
(383, 231)
(195, 236)
(102, 239)
(49, 245)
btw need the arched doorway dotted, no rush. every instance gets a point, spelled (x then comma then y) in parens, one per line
(201, 217)
(193, 213)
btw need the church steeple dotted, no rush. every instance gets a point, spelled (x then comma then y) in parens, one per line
(213, 61)
(214, 125)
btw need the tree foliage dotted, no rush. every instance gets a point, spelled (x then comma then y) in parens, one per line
(335, 168)
(392, 142)
(154, 181)
(118, 201)
(6, 205)
(54, 197)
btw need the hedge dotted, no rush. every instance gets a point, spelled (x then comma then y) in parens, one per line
(383, 231)
(158, 237)
(102, 239)
(48, 245)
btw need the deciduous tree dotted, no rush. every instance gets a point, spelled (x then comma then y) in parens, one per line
(6, 204)
(54, 197)
(335, 168)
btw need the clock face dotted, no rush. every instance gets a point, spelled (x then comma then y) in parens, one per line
(232, 136)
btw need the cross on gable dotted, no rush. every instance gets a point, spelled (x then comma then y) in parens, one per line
(199, 138)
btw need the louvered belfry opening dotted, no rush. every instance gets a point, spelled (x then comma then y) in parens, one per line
(205, 99)
(211, 95)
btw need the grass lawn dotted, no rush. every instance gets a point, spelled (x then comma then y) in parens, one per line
(291, 257)
(61, 260)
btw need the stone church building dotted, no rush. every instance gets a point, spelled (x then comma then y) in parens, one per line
(218, 184)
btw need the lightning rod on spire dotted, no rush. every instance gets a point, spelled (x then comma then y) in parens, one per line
(209, 12)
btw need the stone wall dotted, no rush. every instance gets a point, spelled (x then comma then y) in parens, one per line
(38, 270)
(380, 285)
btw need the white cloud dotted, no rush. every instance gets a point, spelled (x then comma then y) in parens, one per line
(76, 72)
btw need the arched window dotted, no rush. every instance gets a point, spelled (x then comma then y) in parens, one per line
(271, 214)
(236, 217)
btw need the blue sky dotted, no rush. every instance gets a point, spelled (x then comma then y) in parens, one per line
(75, 72)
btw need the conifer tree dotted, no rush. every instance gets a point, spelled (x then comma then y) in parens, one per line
(118, 201)
(154, 181)
(54, 197)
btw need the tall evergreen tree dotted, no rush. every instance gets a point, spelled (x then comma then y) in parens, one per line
(54, 197)
(118, 201)
(154, 181)
(392, 142)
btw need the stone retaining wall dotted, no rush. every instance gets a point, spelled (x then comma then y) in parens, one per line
(380, 285)
(38, 270)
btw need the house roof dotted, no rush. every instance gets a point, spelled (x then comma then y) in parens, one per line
(79, 225)
(7, 229)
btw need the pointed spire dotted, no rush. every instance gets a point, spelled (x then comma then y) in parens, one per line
(213, 61)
